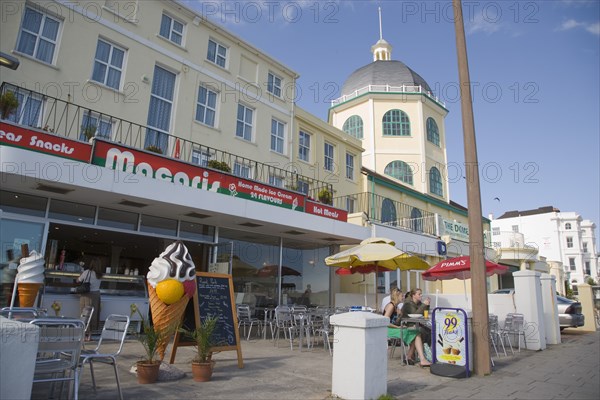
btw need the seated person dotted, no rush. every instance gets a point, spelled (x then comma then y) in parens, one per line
(413, 304)
(385, 301)
(409, 336)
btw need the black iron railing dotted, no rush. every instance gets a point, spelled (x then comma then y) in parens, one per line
(82, 123)
(389, 212)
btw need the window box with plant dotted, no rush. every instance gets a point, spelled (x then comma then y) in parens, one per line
(202, 366)
(89, 132)
(154, 149)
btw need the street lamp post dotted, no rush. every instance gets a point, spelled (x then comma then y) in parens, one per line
(8, 61)
(478, 285)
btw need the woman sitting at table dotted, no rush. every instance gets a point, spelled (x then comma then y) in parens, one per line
(410, 336)
(414, 304)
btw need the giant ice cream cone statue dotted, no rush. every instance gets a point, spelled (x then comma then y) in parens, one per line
(171, 283)
(30, 278)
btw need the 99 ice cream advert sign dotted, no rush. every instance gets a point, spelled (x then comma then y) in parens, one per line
(451, 334)
(123, 159)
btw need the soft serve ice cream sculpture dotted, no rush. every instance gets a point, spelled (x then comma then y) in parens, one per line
(171, 283)
(30, 278)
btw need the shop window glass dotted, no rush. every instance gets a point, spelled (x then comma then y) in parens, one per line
(117, 219)
(23, 204)
(158, 225)
(305, 277)
(191, 230)
(68, 211)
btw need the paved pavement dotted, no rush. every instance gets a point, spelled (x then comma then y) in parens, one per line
(567, 371)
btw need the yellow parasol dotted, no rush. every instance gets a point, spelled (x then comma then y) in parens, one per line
(380, 252)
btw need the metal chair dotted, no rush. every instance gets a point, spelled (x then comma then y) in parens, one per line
(284, 321)
(59, 347)
(514, 324)
(114, 331)
(23, 312)
(494, 335)
(245, 319)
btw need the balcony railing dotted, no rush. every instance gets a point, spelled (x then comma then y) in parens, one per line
(77, 122)
(409, 89)
(389, 212)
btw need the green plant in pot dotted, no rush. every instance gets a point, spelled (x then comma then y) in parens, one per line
(202, 366)
(154, 149)
(325, 196)
(89, 132)
(151, 339)
(8, 104)
(220, 165)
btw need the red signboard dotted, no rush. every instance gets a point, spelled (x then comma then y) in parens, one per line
(17, 136)
(124, 159)
(326, 211)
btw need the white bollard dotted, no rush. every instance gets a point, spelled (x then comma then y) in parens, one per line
(528, 299)
(550, 309)
(359, 355)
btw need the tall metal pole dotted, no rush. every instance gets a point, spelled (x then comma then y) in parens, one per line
(479, 299)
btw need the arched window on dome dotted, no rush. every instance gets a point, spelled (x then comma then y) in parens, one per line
(435, 182)
(433, 134)
(396, 123)
(354, 126)
(388, 212)
(416, 220)
(400, 170)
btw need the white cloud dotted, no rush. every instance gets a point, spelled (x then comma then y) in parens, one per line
(569, 24)
(480, 24)
(574, 24)
(593, 28)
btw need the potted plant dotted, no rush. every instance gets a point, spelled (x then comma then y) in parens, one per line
(325, 196)
(151, 339)
(202, 366)
(220, 165)
(154, 149)
(89, 132)
(8, 104)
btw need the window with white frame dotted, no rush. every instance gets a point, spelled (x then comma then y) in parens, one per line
(171, 29)
(38, 36)
(95, 125)
(29, 111)
(274, 84)
(277, 136)
(201, 157)
(217, 53)
(587, 268)
(275, 180)
(160, 108)
(108, 64)
(568, 226)
(328, 157)
(435, 182)
(242, 170)
(304, 146)
(350, 166)
(243, 128)
(585, 247)
(302, 186)
(515, 228)
(495, 231)
(569, 242)
(206, 107)
(350, 204)
(572, 266)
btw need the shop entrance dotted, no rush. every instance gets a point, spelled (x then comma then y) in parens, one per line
(119, 252)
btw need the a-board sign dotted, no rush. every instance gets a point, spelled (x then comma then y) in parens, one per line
(450, 342)
(213, 298)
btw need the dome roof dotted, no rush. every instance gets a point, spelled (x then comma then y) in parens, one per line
(389, 72)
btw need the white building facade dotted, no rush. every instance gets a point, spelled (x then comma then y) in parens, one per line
(559, 237)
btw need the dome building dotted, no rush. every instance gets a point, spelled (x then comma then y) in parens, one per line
(393, 110)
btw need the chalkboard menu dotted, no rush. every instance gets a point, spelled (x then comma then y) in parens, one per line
(213, 298)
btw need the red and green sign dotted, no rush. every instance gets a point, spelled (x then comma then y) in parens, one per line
(326, 211)
(16, 136)
(123, 159)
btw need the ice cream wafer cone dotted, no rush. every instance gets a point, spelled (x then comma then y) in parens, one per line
(27, 293)
(165, 317)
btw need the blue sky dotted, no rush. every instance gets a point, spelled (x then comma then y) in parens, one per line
(534, 66)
